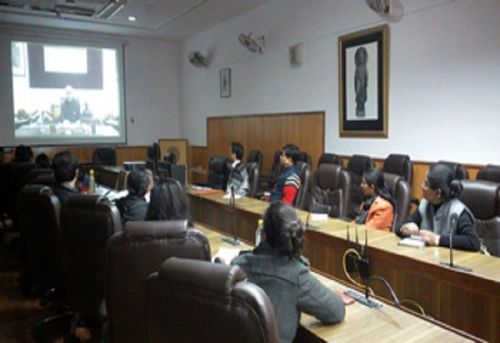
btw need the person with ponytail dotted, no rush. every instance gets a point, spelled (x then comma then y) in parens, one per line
(377, 208)
(276, 265)
(440, 213)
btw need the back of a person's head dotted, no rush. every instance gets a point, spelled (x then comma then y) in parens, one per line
(137, 182)
(153, 151)
(375, 178)
(22, 154)
(283, 229)
(65, 166)
(42, 161)
(170, 157)
(237, 149)
(440, 176)
(292, 151)
(168, 201)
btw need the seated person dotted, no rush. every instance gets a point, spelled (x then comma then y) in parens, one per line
(276, 265)
(440, 213)
(65, 166)
(42, 161)
(23, 154)
(133, 206)
(288, 182)
(168, 201)
(377, 208)
(238, 177)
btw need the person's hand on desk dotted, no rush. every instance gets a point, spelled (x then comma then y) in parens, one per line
(409, 229)
(429, 237)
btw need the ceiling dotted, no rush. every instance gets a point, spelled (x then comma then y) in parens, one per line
(168, 19)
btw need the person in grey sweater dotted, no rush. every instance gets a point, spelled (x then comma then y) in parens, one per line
(278, 268)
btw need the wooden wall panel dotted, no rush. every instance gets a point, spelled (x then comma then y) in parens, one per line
(267, 132)
(199, 164)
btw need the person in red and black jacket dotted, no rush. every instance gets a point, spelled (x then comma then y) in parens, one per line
(288, 183)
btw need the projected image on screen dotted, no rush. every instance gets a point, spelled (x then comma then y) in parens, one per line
(66, 93)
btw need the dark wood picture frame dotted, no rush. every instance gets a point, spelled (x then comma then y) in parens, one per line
(225, 83)
(363, 83)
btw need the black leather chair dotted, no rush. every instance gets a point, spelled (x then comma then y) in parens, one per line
(104, 157)
(304, 157)
(40, 176)
(305, 184)
(192, 301)
(401, 193)
(218, 172)
(329, 158)
(483, 199)
(152, 158)
(331, 190)
(87, 221)
(489, 173)
(253, 178)
(399, 165)
(357, 165)
(255, 156)
(459, 170)
(267, 181)
(134, 254)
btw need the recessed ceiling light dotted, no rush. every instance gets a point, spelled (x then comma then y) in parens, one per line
(132, 18)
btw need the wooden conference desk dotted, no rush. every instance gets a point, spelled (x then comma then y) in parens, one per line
(467, 301)
(387, 324)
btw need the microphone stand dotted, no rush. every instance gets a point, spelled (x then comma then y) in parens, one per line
(232, 203)
(454, 224)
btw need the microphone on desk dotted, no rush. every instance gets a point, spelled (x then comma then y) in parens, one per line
(233, 241)
(453, 229)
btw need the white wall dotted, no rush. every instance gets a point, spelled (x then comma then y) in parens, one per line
(444, 99)
(152, 99)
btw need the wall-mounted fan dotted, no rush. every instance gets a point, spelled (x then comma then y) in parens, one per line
(197, 59)
(252, 42)
(390, 10)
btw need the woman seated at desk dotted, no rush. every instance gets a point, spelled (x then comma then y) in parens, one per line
(168, 201)
(277, 267)
(377, 208)
(441, 214)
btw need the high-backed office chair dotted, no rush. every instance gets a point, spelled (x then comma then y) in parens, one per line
(401, 193)
(255, 156)
(253, 178)
(268, 181)
(329, 158)
(305, 184)
(357, 165)
(305, 157)
(104, 157)
(87, 221)
(399, 165)
(459, 170)
(152, 158)
(193, 301)
(483, 199)
(489, 173)
(218, 172)
(41, 237)
(331, 190)
(41, 176)
(134, 254)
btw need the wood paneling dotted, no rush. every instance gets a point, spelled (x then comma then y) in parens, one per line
(84, 153)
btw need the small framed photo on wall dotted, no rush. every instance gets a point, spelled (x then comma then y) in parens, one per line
(363, 83)
(225, 83)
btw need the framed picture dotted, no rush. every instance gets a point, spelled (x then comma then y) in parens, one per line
(363, 83)
(225, 83)
(18, 58)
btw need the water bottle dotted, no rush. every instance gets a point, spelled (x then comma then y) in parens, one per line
(91, 181)
(258, 232)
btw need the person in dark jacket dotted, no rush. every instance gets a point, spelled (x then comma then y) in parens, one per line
(276, 265)
(440, 214)
(65, 166)
(133, 207)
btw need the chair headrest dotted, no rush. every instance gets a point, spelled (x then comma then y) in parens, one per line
(327, 175)
(481, 197)
(156, 229)
(87, 201)
(214, 277)
(396, 163)
(359, 163)
(490, 172)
